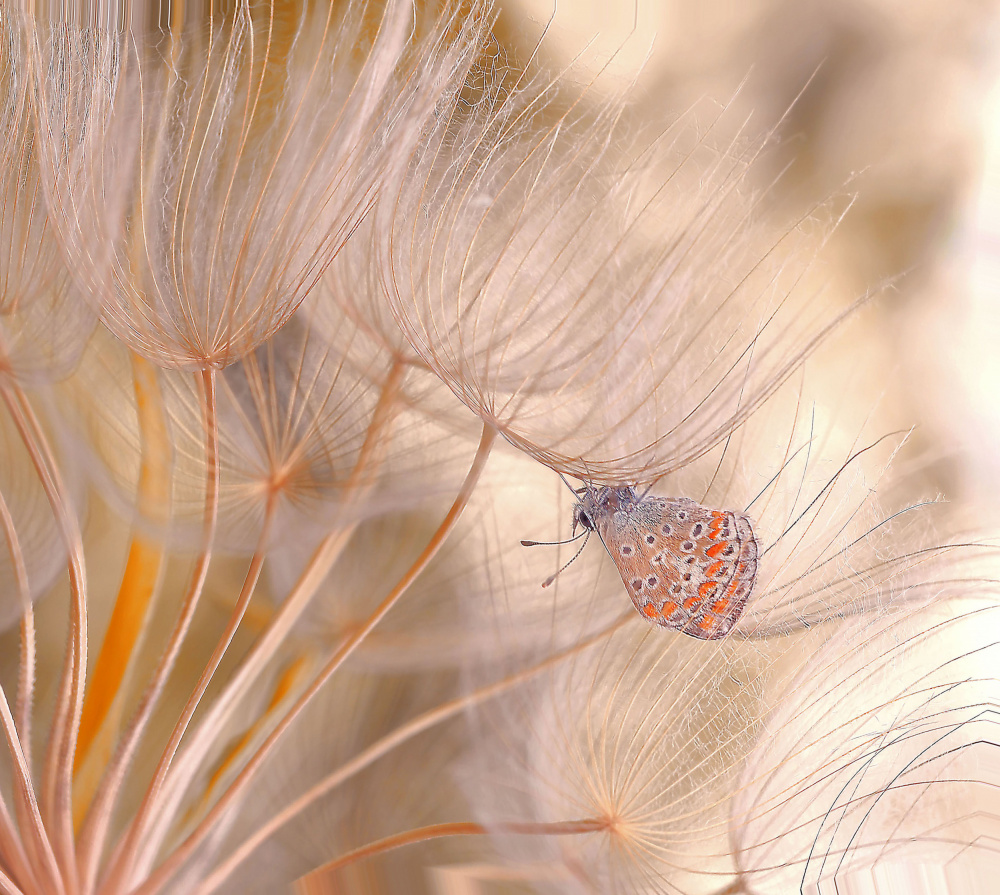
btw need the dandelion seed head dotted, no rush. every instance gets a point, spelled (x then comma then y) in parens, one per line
(534, 293)
(642, 737)
(44, 323)
(870, 749)
(236, 194)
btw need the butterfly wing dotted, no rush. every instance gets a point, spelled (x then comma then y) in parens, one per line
(684, 566)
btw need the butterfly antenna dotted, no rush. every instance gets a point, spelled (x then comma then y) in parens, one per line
(552, 578)
(553, 543)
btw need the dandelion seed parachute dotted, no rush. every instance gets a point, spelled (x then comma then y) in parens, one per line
(201, 195)
(613, 314)
(649, 733)
(539, 275)
(874, 766)
(643, 739)
(354, 289)
(121, 202)
(828, 523)
(44, 324)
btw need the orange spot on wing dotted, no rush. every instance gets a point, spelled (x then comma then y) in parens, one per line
(720, 606)
(717, 524)
(706, 622)
(707, 589)
(668, 609)
(715, 568)
(691, 602)
(716, 549)
(649, 610)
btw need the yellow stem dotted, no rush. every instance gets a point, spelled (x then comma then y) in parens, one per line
(97, 823)
(163, 873)
(288, 680)
(102, 709)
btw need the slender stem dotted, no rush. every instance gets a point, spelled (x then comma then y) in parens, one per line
(287, 684)
(57, 777)
(98, 820)
(386, 744)
(13, 858)
(38, 851)
(190, 759)
(26, 660)
(246, 593)
(326, 554)
(459, 828)
(140, 585)
(163, 873)
(7, 886)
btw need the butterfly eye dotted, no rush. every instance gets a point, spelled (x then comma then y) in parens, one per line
(585, 521)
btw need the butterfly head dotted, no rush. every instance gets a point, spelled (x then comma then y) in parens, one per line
(582, 518)
(597, 503)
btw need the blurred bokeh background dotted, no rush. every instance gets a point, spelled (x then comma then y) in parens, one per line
(893, 106)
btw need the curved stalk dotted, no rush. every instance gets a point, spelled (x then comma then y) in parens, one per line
(386, 744)
(137, 594)
(92, 842)
(163, 873)
(100, 812)
(17, 729)
(7, 886)
(459, 828)
(26, 660)
(36, 856)
(288, 683)
(57, 776)
(326, 554)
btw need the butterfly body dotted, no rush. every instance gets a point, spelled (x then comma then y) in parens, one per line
(685, 566)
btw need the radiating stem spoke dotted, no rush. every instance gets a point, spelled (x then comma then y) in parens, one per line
(163, 873)
(461, 828)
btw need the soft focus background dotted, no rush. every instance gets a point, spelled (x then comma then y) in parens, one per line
(898, 109)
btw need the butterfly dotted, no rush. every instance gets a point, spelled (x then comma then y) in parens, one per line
(686, 567)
